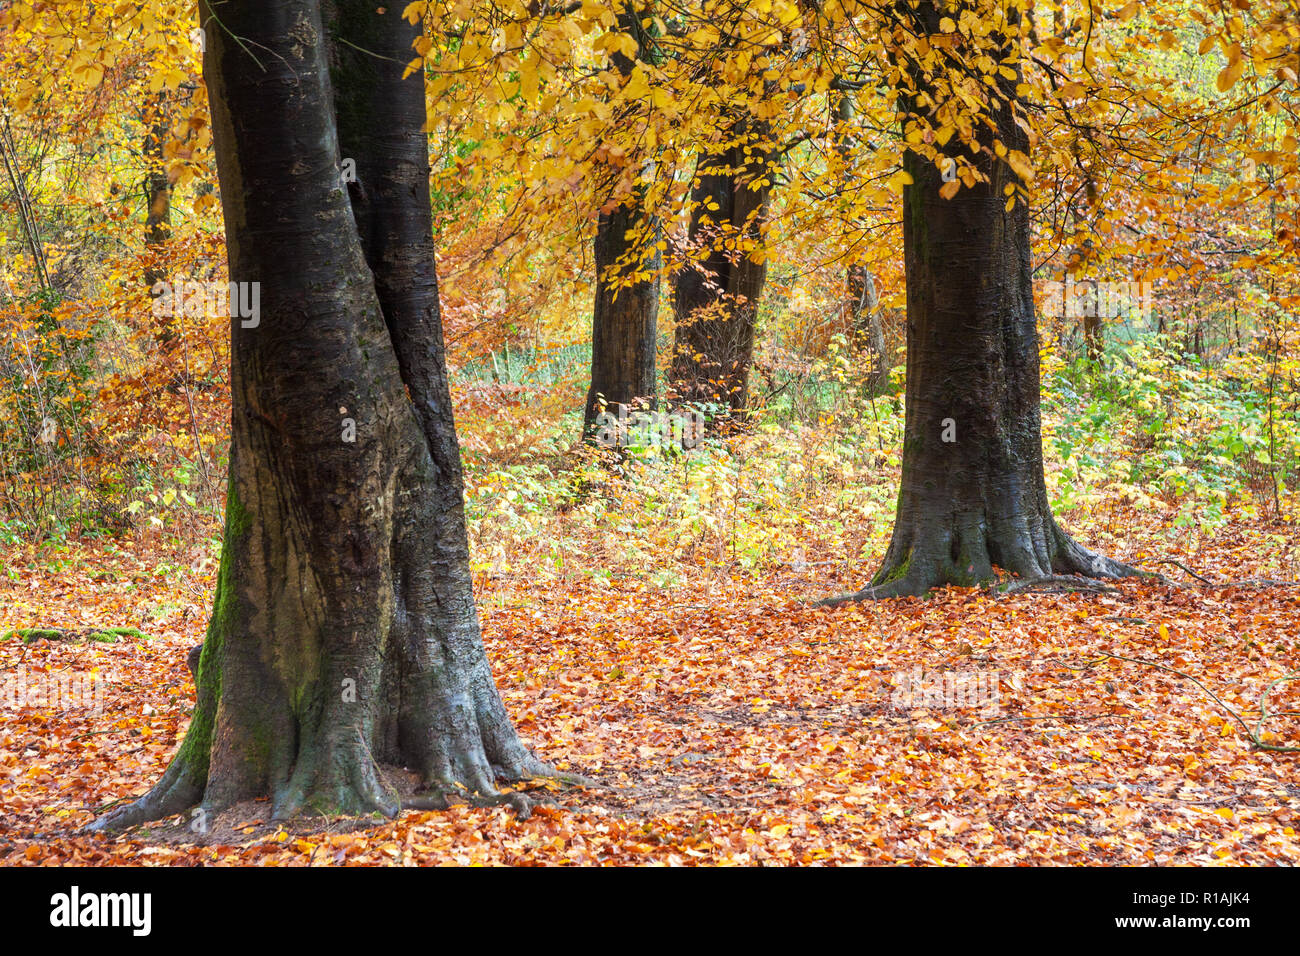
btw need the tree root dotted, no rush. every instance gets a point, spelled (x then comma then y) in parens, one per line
(1184, 568)
(1050, 561)
(172, 796)
(900, 587)
(174, 793)
(441, 795)
(1053, 584)
(359, 792)
(521, 803)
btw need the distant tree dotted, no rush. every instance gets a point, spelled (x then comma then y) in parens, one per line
(861, 297)
(624, 327)
(973, 494)
(716, 295)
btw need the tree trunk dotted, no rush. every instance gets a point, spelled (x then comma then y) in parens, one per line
(157, 192)
(973, 494)
(624, 332)
(1092, 338)
(716, 296)
(343, 635)
(868, 332)
(158, 231)
(864, 315)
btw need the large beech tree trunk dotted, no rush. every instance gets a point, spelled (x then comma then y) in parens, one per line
(977, 499)
(343, 634)
(624, 324)
(716, 296)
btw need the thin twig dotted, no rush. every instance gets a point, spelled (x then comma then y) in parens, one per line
(1252, 734)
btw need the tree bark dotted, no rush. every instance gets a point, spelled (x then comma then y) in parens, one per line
(864, 315)
(973, 494)
(624, 323)
(1093, 338)
(343, 635)
(868, 332)
(157, 192)
(158, 230)
(716, 296)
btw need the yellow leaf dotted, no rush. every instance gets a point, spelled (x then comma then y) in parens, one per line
(900, 179)
(1019, 162)
(1229, 75)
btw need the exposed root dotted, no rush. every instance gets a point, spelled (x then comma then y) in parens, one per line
(521, 803)
(1054, 584)
(1185, 569)
(1073, 559)
(174, 793)
(1258, 583)
(340, 779)
(358, 792)
(905, 586)
(441, 795)
(1039, 557)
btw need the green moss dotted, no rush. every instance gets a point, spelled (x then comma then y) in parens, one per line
(105, 635)
(889, 575)
(110, 635)
(32, 634)
(260, 744)
(961, 577)
(196, 750)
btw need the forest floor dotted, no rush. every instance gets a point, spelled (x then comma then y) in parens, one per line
(726, 721)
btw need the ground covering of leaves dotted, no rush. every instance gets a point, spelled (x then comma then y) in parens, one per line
(726, 721)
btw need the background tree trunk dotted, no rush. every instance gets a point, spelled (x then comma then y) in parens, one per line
(157, 190)
(158, 228)
(868, 331)
(1093, 331)
(716, 296)
(973, 494)
(343, 634)
(865, 327)
(624, 323)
